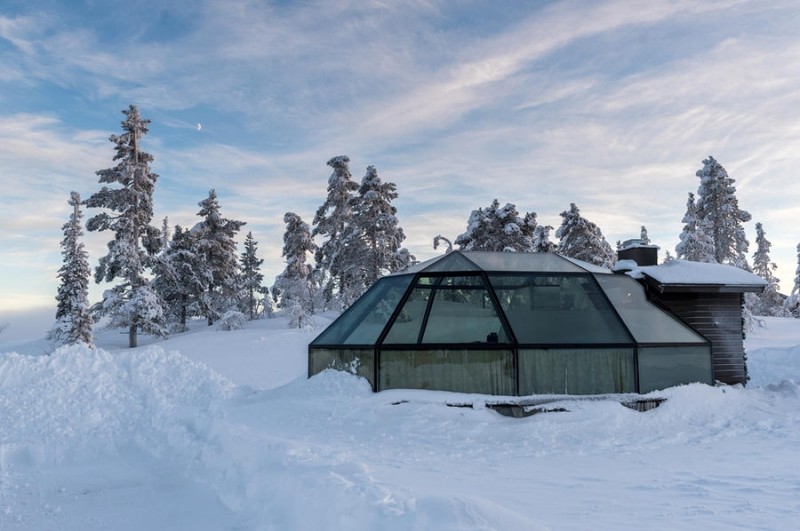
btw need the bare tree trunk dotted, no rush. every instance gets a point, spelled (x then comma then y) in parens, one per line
(210, 311)
(132, 343)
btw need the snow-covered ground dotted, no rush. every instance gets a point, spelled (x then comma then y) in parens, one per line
(215, 430)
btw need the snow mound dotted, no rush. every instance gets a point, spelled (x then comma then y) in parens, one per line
(88, 400)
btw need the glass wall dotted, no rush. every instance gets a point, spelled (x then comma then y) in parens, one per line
(352, 360)
(662, 367)
(453, 369)
(585, 371)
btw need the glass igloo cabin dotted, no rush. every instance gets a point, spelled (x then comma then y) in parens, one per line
(511, 324)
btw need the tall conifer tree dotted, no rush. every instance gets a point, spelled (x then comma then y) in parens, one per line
(129, 211)
(375, 224)
(219, 265)
(695, 244)
(73, 320)
(331, 222)
(770, 301)
(251, 278)
(497, 228)
(293, 290)
(179, 279)
(581, 239)
(792, 303)
(719, 215)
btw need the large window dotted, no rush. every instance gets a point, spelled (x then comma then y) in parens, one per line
(453, 369)
(662, 367)
(576, 371)
(451, 309)
(553, 309)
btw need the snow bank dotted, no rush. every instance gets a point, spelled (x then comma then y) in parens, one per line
(87, 399)
(154, 439)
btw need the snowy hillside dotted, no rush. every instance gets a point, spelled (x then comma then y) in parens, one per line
(219, 430)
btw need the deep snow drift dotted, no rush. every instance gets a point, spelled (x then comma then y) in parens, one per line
(215, 430)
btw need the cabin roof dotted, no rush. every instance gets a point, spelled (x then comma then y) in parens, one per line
(683, 275)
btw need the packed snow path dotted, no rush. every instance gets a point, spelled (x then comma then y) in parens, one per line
(155, 439)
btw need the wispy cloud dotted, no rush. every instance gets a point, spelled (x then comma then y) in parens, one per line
(540, 104)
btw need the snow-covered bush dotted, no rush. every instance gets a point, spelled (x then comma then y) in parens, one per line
(232, 320)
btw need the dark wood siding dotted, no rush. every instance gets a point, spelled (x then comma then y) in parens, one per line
(718, 316)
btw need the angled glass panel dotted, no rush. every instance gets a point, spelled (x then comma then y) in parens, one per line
(460, 281)
(586, 266)
(585, 371)
(406, 327)
(459, 370)
(553, 309)
(647, 322)
(523, 262)
(363, 322)
(463, 312)
(662, 367)
(453, 261)
(418, 267)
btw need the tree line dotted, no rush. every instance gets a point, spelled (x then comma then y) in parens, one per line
(163, 278)
(166, 277)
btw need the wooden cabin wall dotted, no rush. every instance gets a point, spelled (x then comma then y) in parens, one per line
(718, 316)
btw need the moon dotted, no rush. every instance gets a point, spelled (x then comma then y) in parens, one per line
(199, 126)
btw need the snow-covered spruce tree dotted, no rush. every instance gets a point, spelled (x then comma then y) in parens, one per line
(643, 237)
(581, 239)
(375, 222)
(719, 215)
(178, 279)
(73, 319)
(293, 290)
(253, 292)
(498, 228)
(695, 244)
(165, 234)
(792, 303)
(219, 261)
(129, 209)
(330, 223)
(541, 240)
(770, 302)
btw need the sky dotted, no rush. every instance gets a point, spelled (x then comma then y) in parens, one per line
(612, 105)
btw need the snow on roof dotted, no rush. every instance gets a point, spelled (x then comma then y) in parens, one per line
(625, 265)
(636, 243)
(682, 272)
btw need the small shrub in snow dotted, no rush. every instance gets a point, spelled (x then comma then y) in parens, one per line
(232, 320)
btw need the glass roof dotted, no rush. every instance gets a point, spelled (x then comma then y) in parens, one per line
(647, 322)
(503, 262)
(527, 262)
(531, 299)
(364, 321)
(558, 309)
